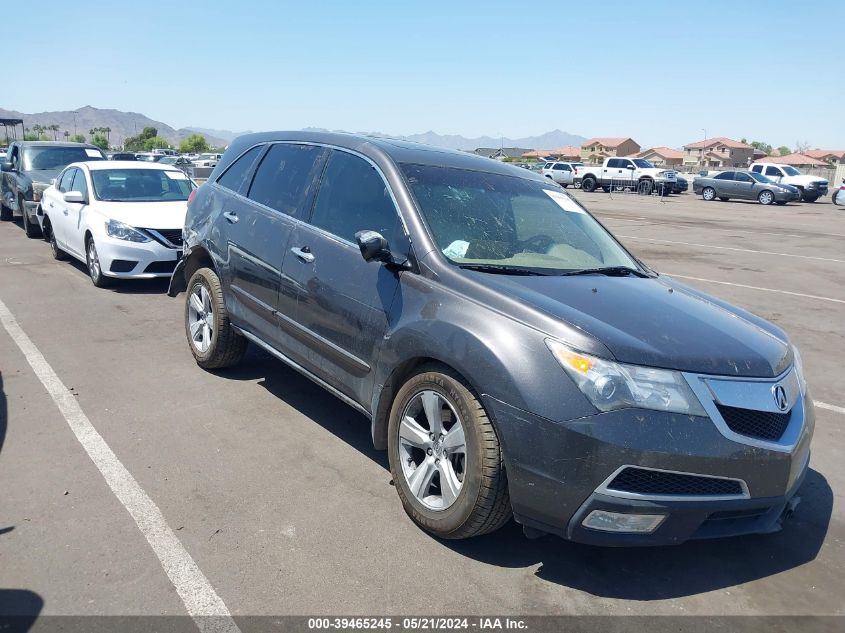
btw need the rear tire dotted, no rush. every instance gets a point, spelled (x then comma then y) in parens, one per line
(708, 194)
(213, 341)
(6, 214)
(481, 503)
(588, 184)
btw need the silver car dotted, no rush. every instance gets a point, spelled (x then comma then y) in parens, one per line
(744, 185)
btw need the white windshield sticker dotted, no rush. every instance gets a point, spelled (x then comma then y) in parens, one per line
(563, 201)
(93, 153)
(176, 175)
(456, 250)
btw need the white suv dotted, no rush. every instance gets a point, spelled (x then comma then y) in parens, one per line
(811, 187)
(564, 174)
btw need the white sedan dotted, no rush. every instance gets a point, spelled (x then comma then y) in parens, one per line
(123, 219)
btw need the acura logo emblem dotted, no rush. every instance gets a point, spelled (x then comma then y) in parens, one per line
(781, 400)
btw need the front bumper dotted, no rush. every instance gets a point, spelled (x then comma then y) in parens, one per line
(558, 471)
(136, 260)
(787, 196)
(31, 210)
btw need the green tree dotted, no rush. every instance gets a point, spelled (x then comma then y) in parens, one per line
(195, 143)
(78, 138)
(783, 150)
(154, 142)
(100, 141)
(763, 147)
(148, 132)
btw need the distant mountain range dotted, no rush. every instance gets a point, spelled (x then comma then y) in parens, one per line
(125, 124)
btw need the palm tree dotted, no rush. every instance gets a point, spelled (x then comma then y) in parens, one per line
(55, 130)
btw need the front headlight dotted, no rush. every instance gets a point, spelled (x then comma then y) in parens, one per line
(123, 231)
(38, 189)
(610, 385)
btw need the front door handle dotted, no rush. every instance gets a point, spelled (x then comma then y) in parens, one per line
(303, 254)
(231, 218)
(65, 211)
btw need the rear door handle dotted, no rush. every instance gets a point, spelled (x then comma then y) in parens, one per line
(232, 218)
(304, 254)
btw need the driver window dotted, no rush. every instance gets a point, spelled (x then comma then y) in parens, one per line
(743, 177)
(66, 180)
(79, 183)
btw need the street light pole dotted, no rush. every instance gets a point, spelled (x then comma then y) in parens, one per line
(703, 145)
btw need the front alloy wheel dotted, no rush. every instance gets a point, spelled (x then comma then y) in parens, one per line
(432, 450)
(708, 194)
(94, 269)
(200, 318)
(766, 197)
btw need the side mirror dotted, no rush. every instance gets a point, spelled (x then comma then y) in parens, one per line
(373, 246)
(74, 197)
(52, 181)
(6, 166)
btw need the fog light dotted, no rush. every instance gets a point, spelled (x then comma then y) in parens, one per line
(616, 522)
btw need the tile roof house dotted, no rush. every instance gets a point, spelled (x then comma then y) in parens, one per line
(827, 155)
(718, 152)
(663, 156)
(561, 153)
(595, 150)
(796, 160)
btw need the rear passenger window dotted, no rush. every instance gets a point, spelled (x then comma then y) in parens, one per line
(613, 162)
(725, 175)
(772, 171)
(286, 176)
(353, 197)
(233, 178)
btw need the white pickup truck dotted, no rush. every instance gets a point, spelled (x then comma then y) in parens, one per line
(563, 173)
(633, 173)
(811, 187)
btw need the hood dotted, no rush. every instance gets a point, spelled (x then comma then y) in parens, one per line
(657, 322)
(147, 215)
(42, 175)
(803, 179)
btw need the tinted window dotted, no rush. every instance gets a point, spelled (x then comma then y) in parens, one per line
(57, 157)
(725, 175)
(285, 177)
(352, 198)
(773, 171)
(757, 168)
(79, 183)
(626, 164)
(558, 167)
(141, 185)
(613, 162)
(233, 178)
(66, 181)
(743, 177)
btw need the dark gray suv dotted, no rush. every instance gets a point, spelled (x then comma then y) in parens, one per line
(513, 358)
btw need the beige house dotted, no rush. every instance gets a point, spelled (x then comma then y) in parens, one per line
(569, 152)
(663, 156)
(831, 156)
(718, 153)
(597, 149)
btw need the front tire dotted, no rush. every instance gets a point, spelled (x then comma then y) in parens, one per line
(213, 341)
(31, 230)
(445, 457)
(708, 193)
(810, 198)
(766, 197)
(95, 271)
(50, 235)
(588, 184)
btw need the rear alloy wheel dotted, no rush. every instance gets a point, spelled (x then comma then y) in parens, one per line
(214, 342)
(445, 457)
(708, 193)
(92, 259)
(589, 184)
(766, 197)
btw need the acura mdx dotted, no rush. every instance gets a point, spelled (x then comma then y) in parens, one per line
(513, 358)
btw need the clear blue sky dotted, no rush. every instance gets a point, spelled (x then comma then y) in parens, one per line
(763, 70)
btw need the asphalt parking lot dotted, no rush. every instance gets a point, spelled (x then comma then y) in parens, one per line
(272, 488)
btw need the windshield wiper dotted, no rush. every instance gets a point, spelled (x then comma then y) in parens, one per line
(497, 269)
(610, 271)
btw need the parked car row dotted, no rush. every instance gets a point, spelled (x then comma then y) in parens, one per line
(496, 335)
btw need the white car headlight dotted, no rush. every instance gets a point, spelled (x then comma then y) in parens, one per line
(123, 231)
(610, 385)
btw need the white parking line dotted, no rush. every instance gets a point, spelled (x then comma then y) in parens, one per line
(730, 248)
(829, 407)
(197, 594)
(782, 292)
(648, 223)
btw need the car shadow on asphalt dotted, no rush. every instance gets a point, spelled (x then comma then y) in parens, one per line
(660, 573)
(309, 399)
(19, 609)
(157, 286)
(644, 574)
